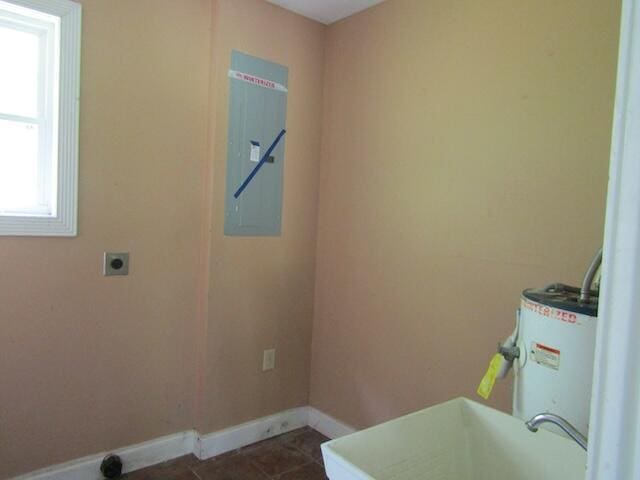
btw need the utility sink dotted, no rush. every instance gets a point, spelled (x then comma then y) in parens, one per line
(456, 440)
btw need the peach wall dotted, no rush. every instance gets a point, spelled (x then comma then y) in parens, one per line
(448, 135)
(89, 363)
(92, 363)
(260, 289)
(464, 158)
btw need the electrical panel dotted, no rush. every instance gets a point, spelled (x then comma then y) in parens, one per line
(256, 145)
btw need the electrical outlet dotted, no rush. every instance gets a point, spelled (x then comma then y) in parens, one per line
(115, 263)
(268, 359)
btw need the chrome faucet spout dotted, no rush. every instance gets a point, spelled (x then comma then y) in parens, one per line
(569, 429)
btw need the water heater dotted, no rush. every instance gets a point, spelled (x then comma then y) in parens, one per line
(552, 350)
(556, 342)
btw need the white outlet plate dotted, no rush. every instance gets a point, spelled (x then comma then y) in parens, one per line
(268, 359)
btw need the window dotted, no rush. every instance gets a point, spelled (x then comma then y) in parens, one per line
(39, 90)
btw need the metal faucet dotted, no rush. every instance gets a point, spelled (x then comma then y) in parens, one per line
(569, 429)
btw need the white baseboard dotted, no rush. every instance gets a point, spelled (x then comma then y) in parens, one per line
(133, 458)
(238, 436)
(157, 451)
(326, 425)
(172, 446)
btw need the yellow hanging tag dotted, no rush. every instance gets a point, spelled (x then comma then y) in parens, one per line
(489, 379)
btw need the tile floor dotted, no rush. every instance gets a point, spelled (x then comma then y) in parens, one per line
(291, 456)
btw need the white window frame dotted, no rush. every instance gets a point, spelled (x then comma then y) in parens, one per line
(60, 218)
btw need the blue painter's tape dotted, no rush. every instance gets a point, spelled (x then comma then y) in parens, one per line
(263, 160)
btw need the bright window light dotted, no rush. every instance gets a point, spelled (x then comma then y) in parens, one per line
(20, 59)
(39, 86)
(19, 147)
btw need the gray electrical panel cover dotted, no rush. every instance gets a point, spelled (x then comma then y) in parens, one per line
(257, 118)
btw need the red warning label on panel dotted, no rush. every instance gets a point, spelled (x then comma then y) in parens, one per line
(546, 356)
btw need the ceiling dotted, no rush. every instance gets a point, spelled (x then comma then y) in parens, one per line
(325, 11)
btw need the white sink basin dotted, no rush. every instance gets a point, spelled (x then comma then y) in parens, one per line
(456, 440)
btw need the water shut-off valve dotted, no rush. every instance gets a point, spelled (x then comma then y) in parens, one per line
(501, 362)
(509, 353)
